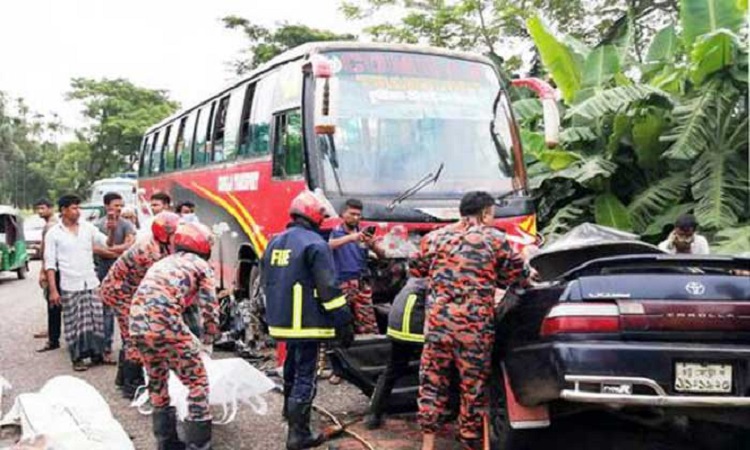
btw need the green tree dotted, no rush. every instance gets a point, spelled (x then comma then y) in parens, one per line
(489, 25)
(641, 150)
(32, 164)
(24, 139)
(118, 113)
(265, 43)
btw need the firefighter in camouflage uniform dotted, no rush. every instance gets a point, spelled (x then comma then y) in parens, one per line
(164, 340)
(465, 262)
(119, 286)
(304, 307)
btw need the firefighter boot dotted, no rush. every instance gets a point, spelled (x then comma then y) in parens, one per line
(198, 435)
(132, 379)
(165, 429)
(285, 408)
(374, 419)
(300, 436)
(120, 368)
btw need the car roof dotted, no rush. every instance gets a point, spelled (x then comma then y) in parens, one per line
(114, 180)
(9, 210)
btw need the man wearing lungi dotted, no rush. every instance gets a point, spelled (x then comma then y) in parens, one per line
(69, 248)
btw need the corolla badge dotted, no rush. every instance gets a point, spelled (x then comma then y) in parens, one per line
(609, 295)
(695, 288)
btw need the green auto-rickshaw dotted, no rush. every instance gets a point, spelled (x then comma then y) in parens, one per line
(13, 254)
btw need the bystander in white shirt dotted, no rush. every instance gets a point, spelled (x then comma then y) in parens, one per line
(73, 255)
(699, 246)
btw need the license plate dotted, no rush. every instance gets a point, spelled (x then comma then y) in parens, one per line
(703, 378)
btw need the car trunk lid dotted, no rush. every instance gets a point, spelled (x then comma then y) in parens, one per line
(684, 306)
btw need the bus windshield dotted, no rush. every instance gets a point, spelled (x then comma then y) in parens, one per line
(399, 116)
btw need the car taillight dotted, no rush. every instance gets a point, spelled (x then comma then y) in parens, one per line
(582, 318)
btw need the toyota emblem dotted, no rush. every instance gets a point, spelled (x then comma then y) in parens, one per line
(695, 288)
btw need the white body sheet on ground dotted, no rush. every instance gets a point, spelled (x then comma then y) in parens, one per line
(232, 381)
(67, 414)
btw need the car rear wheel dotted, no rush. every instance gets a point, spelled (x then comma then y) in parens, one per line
(502, 435)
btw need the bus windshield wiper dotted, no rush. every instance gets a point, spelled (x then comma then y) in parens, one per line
(428, 179)
(329, 150)
(501, 199)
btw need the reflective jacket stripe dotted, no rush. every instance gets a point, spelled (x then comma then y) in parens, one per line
(336, 303)
(279, 332)
(406, 324)
(297, 307)
(405, 333)
(401, 336)
(296, 331)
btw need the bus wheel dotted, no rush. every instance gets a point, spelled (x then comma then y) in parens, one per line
(22, 271)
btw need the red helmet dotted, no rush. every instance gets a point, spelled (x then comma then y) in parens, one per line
(164, 225)
(193, 238)
(309, 206)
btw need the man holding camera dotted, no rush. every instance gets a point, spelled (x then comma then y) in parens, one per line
(350, 247)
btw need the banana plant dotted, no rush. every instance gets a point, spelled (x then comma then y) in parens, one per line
(637, 151)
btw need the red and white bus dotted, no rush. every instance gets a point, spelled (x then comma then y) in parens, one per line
(406, 129)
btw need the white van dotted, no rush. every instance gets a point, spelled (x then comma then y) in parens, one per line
(127, 187)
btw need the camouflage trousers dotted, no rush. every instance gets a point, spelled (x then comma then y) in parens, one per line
(182, 357)
(359, 297)
(460, 337)
(122, 314)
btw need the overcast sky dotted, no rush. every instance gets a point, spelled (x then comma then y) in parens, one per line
(180, 46)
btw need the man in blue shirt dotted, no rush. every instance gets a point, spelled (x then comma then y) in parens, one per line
(350, 247)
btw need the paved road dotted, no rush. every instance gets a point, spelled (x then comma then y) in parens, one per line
(23, 314)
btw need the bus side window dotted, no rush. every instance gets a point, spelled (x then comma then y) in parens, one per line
(189, 160)
(179, 145)
(202, 135)
(168, 150)
(245, 135)
(145, 157)
(155, 154)
(287, 144)
(220, 123)
(208, 151)
(260, 115)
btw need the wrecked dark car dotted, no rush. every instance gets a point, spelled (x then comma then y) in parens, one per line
(616, 325)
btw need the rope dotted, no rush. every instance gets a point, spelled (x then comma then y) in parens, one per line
(340, 427)
(343, 428)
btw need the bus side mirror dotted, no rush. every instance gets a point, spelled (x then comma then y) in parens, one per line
(551, 116)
